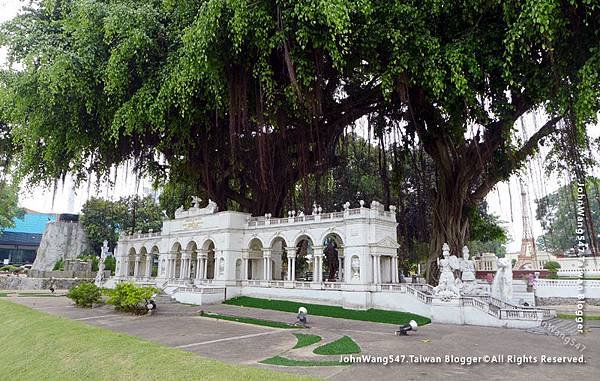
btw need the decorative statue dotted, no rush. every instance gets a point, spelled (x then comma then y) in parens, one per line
(446, 287)
(355, 266)
(502, 284)
(331, 254)
(222, 266)
(196, 202)
(100, 274)
(467, 266)
(179, 211)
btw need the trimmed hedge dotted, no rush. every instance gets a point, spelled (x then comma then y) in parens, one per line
(374, 315)
(130, 298)
(85, 295)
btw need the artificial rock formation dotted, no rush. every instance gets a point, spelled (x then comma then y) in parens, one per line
(61, 239)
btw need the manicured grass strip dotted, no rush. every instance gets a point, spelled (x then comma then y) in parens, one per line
(38, 295)
(374, 315)
(306, 340)
(343, 346)
(3, 294)
(282, 361)
(248, 320)
(572, 317)
(54, 348)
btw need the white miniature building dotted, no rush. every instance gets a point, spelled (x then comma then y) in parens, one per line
(202, 247)
(205, 256)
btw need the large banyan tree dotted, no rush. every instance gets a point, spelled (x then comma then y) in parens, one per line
(241, 99)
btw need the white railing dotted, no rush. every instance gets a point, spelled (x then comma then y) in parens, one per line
(135, 236)
(488, 304)
(332, 285)
(571, 283)
(277, 283)
(263, 221)
(202, 290)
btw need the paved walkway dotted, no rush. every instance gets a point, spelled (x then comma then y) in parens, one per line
(180, 326)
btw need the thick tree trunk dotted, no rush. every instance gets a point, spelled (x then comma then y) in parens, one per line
(449, 222)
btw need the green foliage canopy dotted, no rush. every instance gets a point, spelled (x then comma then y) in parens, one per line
(105, 219)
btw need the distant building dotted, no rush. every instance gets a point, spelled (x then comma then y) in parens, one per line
(18, 245)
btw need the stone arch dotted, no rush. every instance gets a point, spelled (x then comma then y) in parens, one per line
(143, 253)
(238, 269)
(304, 244)
(336, 235)
(208, 248)
(278, 258)
(154, 256)
(176, 251)
(255, 258)
(335, 263)
(192, 249)
(254, 239)
(131, 254)
(304, 236)
(175, 247)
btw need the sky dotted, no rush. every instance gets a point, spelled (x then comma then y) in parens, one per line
(503, 201)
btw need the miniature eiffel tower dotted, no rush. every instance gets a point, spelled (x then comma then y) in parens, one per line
(527, 259)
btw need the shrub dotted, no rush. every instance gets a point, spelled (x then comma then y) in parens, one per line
(552, 267)
(130, 298)
(59, 265)
(9, 268)
(85, 294)
(110, 263)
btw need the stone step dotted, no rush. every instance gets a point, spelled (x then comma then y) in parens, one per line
(555, 326)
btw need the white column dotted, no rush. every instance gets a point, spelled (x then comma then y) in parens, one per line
(136, 269)
(340, 270)
(189, 267)
(395, 264)
(149, 266)
(205, 272)
(198, 267)
(378, 260)
(245, 277)
(294, 268)
(126, 266)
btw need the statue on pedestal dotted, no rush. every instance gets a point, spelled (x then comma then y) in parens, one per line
(355, 267)
(447, 287)
(502, 284)
(100, 274)
(331, 254)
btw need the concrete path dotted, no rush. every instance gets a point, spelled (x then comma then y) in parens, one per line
(180, 326)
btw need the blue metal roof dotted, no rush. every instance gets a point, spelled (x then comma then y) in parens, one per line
(32, 223)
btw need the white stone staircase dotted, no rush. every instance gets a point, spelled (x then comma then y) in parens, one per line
(495, 312)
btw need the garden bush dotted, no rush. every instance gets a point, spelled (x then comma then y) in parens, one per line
(130, 298)
(85, 295)
(9, 268)
(110, 263)
(552, 267)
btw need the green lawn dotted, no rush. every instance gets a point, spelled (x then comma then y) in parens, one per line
(305, 340)
(282, 361)
(378, 316)
(39, 346)
(343, 346)
(572, 317)
(249, 320)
